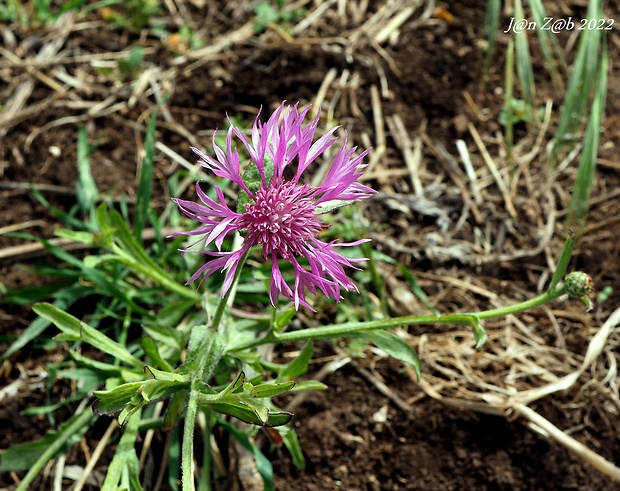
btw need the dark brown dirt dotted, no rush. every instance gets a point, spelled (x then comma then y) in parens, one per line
(427, 72)
(436, 447)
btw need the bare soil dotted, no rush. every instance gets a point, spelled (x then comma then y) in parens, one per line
(430, 76)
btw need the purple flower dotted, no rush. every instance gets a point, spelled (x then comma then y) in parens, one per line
(282, 214)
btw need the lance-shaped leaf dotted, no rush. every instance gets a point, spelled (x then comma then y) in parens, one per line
(395, 347)
(128, 398)
(77, 330)
(251, 413)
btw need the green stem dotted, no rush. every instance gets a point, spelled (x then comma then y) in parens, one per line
(221, 306)
(342, 330)
(187, 452)
(520, 307)
(206, 370)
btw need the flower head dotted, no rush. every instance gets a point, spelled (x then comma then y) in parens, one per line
(280, 214)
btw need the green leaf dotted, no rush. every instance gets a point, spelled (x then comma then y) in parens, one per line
(289, 437)
(250, 413)
(150, 348)
(480, 335)
(563, 261)
(524, 60)
(133, 254)
(328, 206)
(87, 238)
(585, 74)
(86, 188)
(132, 396)
(395, 347)
(80, 330)
(125, 465)
(170, 315)
(33, 331)
(270, 389)
(493, 11)
(106, 369)
(299, 365)
(580, 197)
(263, 464)
(308, 385)
(110, 402)
(145, 184)
(282, 319)
(166, 336)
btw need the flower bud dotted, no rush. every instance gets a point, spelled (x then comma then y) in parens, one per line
(578, 284)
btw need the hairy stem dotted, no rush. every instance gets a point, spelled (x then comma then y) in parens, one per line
(209, 362)
(187, 452)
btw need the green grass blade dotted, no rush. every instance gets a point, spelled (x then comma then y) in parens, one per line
(552, 52)
(145, 184)
(33, 331)
(124, 465)
(417, 289)
(524, 61)
(508, 109)
(289, 437)
(263, 465)
(77, 329)
(69, 220)
(582, 80)
(85, 187)
(580, 198)
(491, 23)
(141, 261)
(35, 456)
(563, 261)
